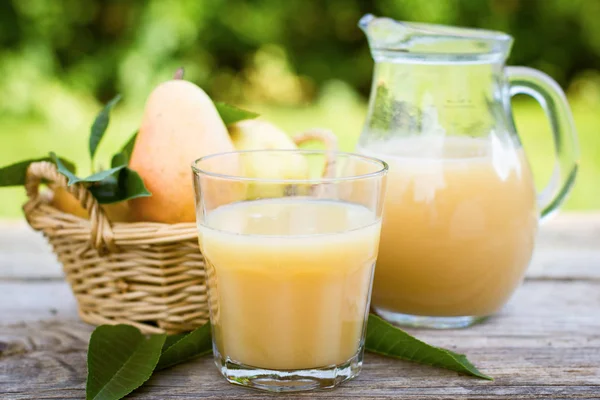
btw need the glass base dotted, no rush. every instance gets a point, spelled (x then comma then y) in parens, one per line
(419, 321)
(289, 380)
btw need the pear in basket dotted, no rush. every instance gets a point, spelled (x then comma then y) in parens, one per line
(180, 124)
(66, 202)
(258, 134)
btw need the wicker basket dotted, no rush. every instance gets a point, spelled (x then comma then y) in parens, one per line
(149, 275)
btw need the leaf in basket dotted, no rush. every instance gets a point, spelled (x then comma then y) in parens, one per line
(124, 185)
(120, 359)
(385, 339)
(14, 174)
(98, 176)
(231, 114)
(119, 159)
(194, 344)
(100, 124)
(128, 148)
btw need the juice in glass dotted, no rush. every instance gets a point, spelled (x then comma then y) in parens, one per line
(289, 280)
(289, 265)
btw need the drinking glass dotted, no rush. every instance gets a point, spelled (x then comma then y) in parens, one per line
(289, 239)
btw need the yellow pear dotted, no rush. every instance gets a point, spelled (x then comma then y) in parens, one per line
(256, 134)
(117, 212)
(64, 201)
(179, 125)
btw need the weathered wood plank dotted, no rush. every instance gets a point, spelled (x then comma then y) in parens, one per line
(54, 365)
(381, 378)
(32, 301)
(568, 247)
(25, 254)
(541, 346)
(548, 308)
(545, 343)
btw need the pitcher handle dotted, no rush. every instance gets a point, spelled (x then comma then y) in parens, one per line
(551, 97)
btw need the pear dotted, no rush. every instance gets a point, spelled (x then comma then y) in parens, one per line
(118, 212)
(256, 134)
(64, 201)
(180, 124)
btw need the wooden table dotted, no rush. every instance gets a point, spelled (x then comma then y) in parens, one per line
(545, 344)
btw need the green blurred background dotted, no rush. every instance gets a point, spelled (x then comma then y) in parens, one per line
(300, 63)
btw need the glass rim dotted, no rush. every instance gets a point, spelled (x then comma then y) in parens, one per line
(379, 172)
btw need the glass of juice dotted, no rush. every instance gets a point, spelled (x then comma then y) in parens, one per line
(290, 239)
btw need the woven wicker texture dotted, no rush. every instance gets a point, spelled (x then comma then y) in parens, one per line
(149, 275)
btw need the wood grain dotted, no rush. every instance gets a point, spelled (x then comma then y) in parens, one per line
(25, 254)
(568, 247)
(540, 346)
(545, 344)
(33, 301)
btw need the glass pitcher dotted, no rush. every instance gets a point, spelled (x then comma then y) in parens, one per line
(461, 212)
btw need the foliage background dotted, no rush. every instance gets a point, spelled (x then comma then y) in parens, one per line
(301, 63)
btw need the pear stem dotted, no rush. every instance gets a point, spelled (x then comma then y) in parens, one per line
(179, 73)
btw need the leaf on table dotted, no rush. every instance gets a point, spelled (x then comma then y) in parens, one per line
(172, 339)
(120, 359)
(194, 344)
(14, 174)
(100, 124)
(232, 114)
(385, 339)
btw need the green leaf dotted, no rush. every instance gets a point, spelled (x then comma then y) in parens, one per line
(62, 168)
(134, 185)
(119, 159)
(124, 185)
(128, 148)
(172, 339)
(66, 163)
(98, 176)
(194, 344)
(100, 124)
(14, 174)
(385, 339)
(231, 114)
(120, 359)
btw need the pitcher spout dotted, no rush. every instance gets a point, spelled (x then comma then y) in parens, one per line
(434, 41)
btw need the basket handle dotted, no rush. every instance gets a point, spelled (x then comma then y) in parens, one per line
(101, 235)
(326, 137)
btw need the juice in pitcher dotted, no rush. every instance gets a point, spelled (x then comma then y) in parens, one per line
(459, 223)
(461, 211)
